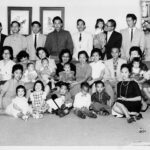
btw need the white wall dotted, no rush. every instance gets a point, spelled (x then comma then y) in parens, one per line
(89, 10)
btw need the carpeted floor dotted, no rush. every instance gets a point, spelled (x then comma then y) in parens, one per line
(73, 131)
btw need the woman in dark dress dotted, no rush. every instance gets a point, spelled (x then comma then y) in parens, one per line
(65, 56)
(128, 97)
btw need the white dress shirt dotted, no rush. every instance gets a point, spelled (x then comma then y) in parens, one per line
(109, 35)
(82, 100)
(85, 44)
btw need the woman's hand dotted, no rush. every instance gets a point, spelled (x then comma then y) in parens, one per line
(74, 83)
(122, 98)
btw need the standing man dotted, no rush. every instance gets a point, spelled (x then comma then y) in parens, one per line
(113, 38)
(58, 39)
(2, 38)
(35, 40)
(82, 39)
(131, 36)
(16, 40)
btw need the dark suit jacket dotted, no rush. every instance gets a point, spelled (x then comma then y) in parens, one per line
(1, 44)
(115, 40)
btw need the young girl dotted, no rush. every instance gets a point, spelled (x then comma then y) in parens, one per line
(8, 91)
(82, 102)
(30, 75)
(67, 75)
(37, 98)
(62, 100)
(19, 106)
(137, 73)
(98, 68)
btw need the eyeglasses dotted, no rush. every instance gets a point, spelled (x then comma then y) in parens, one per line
(107, 25)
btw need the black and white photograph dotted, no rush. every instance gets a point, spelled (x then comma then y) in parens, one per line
(75, 74)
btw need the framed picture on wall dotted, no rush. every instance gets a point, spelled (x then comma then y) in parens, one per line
(23, 15)
(46, 16)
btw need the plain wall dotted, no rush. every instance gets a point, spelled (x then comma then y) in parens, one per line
(89, 10)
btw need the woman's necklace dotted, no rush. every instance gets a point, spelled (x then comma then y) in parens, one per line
(125, 85)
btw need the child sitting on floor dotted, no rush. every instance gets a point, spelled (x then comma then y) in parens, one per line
(67, 75)
(19, 107)
(38, 97)
(82, 102)
(61, 101)
(100, 100)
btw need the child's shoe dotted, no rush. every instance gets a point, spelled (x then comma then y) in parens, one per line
(25, 117)
(81, 114)
(91, 114)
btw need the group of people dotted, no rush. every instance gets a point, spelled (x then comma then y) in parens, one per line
(97, 74)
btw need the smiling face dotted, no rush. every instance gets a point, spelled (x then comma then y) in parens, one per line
(115, 53)
(57, 25)
(20, 92)
(125, 73)
(95, 57)
(130, 22)
(80, 26)
(63, 90)
(36, 28)
(17, 74)
(67, 68)
(38, 87)
(15, 28)
(41, 54)
(65, 58)
(82, 58)
(133, 55)
(99, 87)
(136, 64)
(84, 90)
(6, 54)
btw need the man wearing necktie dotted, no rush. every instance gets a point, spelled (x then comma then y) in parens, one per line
(35, 40)
(131, 36)
(82, 40)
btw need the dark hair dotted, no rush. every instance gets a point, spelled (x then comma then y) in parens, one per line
(41, 48)
(38, 81)
(133, 16)
(9, 49)
(22, 54)
(96, 50)
(84, 53)
(21, 87)
(99, 82)
(57, 18)
(67, 64)
(126, 66)
(36, 22)
(44, 59)
(15, 22)
(136, 59)
(85, 84)
(30, 63)
(59, 83)
(97, 22)
(65, 84)
(63, 52)
(136, 48)
(0, 24)
(113, 23)
(17, 67)
(80, 20)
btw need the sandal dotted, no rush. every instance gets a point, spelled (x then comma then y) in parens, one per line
(139, 116)
(130, 120)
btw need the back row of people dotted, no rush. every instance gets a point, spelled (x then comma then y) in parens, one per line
(104, 38)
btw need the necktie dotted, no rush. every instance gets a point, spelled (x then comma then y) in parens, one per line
(131, 34)
(80, 38)
(35, 41)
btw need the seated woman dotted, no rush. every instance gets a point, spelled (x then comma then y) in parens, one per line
(23, 59)
(128, 97)
(6, 64)
(9, 88)
(65, 57)
(83, 72)
(42, 53)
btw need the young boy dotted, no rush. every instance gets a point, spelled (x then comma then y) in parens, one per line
(82, 102)
(100, 100)
(60, 101)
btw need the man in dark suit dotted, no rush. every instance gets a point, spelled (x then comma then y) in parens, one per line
(2, 38)
(113, 38)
